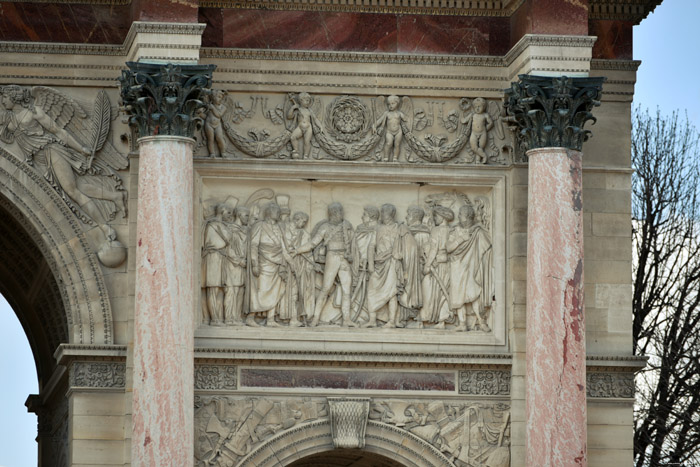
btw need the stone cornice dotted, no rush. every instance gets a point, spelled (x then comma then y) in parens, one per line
(547, 40)
(497, 8)
(622, 10)
(615, 65)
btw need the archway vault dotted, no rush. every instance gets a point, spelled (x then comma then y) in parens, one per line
(48, 271)
(308, 440)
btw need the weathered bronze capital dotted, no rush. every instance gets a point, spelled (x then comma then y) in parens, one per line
(551, 111)
(165, 99)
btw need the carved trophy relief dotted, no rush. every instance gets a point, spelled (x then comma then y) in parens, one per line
(469, 434)
(69, 146)
(227, 429)
(431, 269)
(355, 128)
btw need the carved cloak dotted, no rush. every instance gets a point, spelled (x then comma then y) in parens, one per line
(267, 250)
(470, 267)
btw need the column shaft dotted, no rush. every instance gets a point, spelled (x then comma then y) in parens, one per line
(163, 399)
(556, 353)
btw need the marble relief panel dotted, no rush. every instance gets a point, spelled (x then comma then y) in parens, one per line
(230, 429)
(384, 128)
(357, 255)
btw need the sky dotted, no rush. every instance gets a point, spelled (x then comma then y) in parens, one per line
(666, 43)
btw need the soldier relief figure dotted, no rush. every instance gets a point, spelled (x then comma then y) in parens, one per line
(431, 271)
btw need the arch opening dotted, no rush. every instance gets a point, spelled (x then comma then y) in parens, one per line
(346, 458)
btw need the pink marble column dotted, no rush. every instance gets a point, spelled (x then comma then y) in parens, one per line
(556, 348)
(163, 398)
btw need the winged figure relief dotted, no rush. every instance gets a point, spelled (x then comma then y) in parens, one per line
(397, 111)
(69, 146)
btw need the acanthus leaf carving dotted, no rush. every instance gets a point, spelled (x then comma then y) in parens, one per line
(552, 111)
(165, 99)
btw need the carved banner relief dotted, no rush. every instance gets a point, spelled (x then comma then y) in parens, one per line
(355, 255)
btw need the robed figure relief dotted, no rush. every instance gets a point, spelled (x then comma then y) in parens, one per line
(470, 253)
(419, 273)
(436, 282)
(301, 286)
(269, 261)
(394, 270)
(363, 241)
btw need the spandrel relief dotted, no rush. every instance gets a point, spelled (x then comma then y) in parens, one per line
(469, 434)
(229, 429)
(69, 146)
(424, 265)
(355, 128)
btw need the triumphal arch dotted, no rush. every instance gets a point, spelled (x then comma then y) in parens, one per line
(338, 232)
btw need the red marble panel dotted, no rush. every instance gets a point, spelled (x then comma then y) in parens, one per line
(214, 19)
(614, 39)
(462, 35)
(568, 17)
(175, 11)
(306, 30)
(337, 379)
(45, 22)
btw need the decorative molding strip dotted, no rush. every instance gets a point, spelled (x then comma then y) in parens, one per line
(322, 357)
(610, 385)
(498, 8)
(97, 375)
(484, 382)
(215, 377)
(351, 57)
(77, 2)
(615, 65)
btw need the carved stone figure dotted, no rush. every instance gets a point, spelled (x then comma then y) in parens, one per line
(213, 125)
(436, 282)
(363, 240)
(420, 231)
(269, 261)
(301, 286)
(53, 133)
(302, 113)
(335, 237)
(391, 120)
(217, 238)
(471, 286)
(480, 123)
(393, 266)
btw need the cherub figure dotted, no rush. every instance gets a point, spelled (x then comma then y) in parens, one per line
(392, 118)
(480, 122)
(301, 111)
(213, 124)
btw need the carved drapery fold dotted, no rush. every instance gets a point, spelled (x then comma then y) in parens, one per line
(552, 111)
(165, 99)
